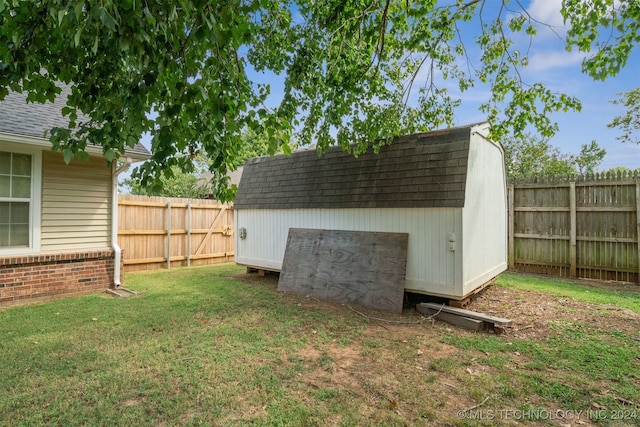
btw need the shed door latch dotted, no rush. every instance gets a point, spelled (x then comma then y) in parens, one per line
(452, 241)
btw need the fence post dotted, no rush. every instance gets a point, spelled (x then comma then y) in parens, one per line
(511, 228)
(189, 234)
(638, 223)
(168, 235)
(572, 213)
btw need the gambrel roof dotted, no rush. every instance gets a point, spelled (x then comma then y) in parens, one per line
(420, 170)
(18, 117)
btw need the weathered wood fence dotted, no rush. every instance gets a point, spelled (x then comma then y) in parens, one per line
(158, 232)
(584, 227)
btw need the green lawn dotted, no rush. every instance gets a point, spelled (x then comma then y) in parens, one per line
(214, 346)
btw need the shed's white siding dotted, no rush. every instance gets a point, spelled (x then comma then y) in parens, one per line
(76, 204)
(430, 263)
(484, 217)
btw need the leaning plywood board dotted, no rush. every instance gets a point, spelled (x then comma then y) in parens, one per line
(353, 267)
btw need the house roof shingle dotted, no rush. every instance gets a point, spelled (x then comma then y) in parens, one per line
(18, 117)
(420, 170)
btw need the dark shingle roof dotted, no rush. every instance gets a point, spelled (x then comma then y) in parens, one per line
(34, 119)
(421, 170)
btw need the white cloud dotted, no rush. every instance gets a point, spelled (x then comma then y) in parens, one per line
(547, 12)
(545, 61)
(619, 154)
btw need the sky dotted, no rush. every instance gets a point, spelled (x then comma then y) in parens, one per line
(560, 71)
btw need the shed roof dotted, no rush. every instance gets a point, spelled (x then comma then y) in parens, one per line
(420, 170)
(18, 117)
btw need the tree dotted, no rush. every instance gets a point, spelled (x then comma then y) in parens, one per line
(622, 171)
(630, 121)
(188, 72)
(176, 183)
(590, 157)
(531, 156)
(192, 184)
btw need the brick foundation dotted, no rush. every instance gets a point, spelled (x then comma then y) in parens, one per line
(42, 277)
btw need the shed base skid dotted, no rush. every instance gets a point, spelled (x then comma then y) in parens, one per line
(462, 303)
(261, 271)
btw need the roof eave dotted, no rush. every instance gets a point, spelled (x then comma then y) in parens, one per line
(45, 143)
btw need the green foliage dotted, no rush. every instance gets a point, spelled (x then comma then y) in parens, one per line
(181, 71)
(629, 122)
(175, 182)
(609, 29)
(590, 157)
(621, 171)
(531, 156)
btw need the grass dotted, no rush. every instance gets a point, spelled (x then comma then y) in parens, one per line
(581, 291)
(206, 346)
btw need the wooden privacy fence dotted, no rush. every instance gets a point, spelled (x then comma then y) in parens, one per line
(585, 227)
(156, 232)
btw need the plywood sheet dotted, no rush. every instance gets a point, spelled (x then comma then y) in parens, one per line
(352, 267)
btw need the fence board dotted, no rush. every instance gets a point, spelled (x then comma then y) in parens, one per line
(159, 232)
(586, 227)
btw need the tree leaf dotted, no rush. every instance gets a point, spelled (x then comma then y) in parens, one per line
(106, 19)
(76, 37)
(67, 155)
(109, 154)
(61, 15)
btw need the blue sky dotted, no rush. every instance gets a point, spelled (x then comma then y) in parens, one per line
(560, 70)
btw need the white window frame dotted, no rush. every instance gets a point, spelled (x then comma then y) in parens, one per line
(36, 198)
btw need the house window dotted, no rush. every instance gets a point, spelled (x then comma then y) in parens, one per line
(19, 187)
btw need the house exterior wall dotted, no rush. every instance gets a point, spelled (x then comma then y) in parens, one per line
(484, 229)
(431, 267)
(42, 277)
(76, 204)
(73, 254)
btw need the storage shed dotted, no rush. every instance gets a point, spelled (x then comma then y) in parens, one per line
(446, 189)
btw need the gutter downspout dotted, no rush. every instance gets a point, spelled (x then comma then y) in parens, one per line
(114, 221)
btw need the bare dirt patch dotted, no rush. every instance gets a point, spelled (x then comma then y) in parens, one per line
(534, 313)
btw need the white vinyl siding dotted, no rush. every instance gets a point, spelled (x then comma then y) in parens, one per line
(19, 199)
(431, 267)
(76, 204)
(484, 239)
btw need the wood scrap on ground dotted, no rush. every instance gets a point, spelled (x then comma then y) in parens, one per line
(460, 317)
